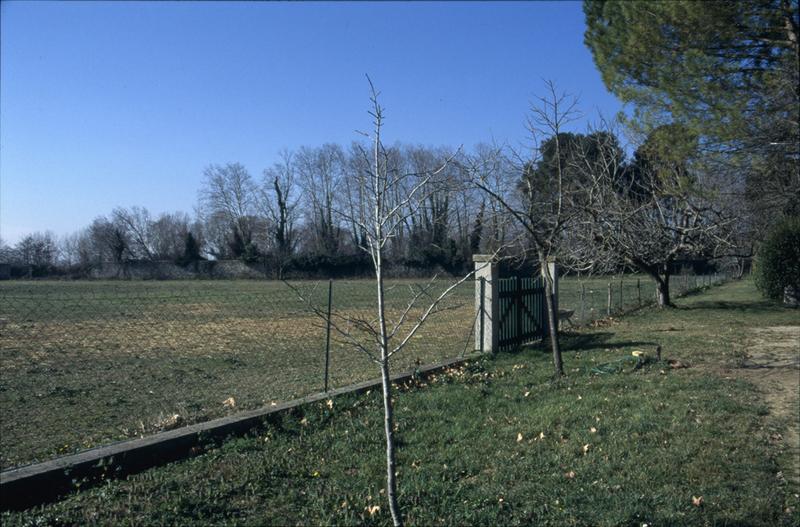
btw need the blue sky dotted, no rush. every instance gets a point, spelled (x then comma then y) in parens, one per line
(107, 104)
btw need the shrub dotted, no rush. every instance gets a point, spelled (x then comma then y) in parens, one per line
(778, 260)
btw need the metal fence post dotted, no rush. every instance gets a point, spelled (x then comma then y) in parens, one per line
(328, 334)
(621, 300)
(639, 291)
(518, 302)
(583, 301)
(608, 304)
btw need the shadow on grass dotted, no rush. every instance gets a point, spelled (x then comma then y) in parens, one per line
(759, 306)
(598, 341)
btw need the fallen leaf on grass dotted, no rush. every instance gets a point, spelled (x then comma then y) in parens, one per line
(592, 430)
(697, 501)
(519, 437)
(570, 474)
(372, 509)
(230, 402)
(586, 448)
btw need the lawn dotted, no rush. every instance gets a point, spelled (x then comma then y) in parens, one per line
(84, 363)
(498, 442)
(87, 362)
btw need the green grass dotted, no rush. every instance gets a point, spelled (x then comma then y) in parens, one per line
(84, 363)
(656, 438)
(88, 362)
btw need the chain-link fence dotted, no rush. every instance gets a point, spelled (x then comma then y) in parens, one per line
(583, 300)
(85, 363)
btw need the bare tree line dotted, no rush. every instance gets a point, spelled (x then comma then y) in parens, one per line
(574, 197)
(302, 206)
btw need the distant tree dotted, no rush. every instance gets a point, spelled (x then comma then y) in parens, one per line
(487, 164)
(321, 172)
(228, 195)
(109, 242)
(39, 249)
(280, 202)
(191, 251)
(137, 225)
(168, 234)
(477, 230)
(237, 243)
(6, 252)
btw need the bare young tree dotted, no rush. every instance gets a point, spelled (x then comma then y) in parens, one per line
(379, 216)
(538, 192)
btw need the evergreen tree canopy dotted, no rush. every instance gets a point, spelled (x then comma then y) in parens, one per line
(729, 70)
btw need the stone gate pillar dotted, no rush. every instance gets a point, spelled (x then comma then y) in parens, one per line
(486, 304)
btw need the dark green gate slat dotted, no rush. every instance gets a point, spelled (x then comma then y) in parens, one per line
(522, 311)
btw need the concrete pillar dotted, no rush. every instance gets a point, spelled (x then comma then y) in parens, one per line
(486, 272)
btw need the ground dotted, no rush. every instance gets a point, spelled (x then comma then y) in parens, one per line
(499, 442)
(84, 363)
(772, 363)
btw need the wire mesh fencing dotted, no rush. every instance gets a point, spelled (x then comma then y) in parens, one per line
(586, 299)
(85, 363)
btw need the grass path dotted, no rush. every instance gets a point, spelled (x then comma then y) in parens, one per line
(499, 443)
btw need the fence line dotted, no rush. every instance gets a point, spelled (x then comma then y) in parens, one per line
(86, 363)
(594, 298)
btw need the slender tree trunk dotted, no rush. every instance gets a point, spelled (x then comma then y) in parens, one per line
(388, 426)
(388, 411)
(552, 319)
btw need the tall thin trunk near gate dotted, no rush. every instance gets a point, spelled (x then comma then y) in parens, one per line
(552, 319)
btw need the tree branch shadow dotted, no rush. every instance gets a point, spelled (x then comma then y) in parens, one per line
(595, 341)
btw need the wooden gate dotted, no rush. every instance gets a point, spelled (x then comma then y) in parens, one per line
(523, 314)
